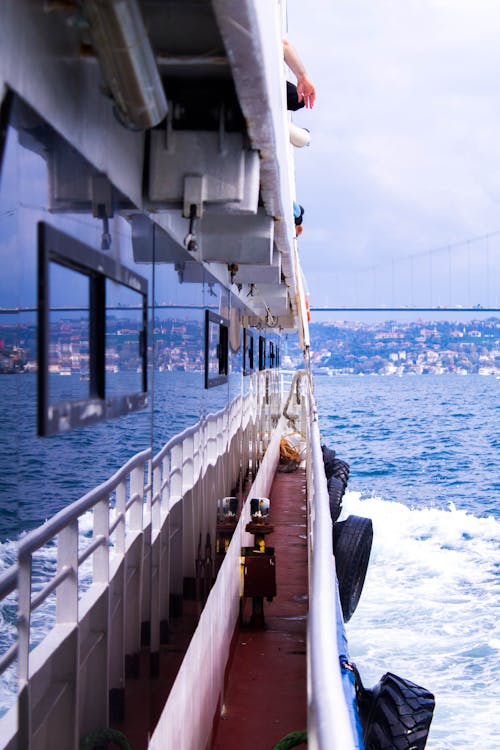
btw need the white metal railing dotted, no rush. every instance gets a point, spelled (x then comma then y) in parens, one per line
(329, 722)
(127, 562)
(210, 644)
(62, 525)
(114, 542)
(131, 553)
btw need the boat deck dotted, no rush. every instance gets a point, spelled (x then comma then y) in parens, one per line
(265, 694)
(266, 687)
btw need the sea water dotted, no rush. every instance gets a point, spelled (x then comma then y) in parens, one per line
(425, 466)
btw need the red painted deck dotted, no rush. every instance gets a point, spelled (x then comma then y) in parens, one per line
(266, 691)
(265, 695)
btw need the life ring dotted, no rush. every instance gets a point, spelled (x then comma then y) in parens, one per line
(352, 544)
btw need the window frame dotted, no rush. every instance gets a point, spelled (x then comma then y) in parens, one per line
(211, 381)
(262, 352)
(54, 246)
(248, 352)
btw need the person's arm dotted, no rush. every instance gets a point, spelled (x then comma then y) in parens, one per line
(305, 87)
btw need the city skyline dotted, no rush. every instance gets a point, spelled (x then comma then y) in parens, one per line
(388, 348)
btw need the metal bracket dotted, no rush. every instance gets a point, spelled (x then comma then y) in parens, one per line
(102, 206)
(194, 195)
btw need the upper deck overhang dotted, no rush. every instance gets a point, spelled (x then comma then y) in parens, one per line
(252, 36)
(220, 144)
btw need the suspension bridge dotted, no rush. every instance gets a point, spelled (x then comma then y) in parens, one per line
(459, 277)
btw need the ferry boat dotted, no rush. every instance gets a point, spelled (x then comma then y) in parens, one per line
(189, 597)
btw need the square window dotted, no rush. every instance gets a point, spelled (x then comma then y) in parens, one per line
(248, 356)
(262, 353)
(82, 339)
(216, 349)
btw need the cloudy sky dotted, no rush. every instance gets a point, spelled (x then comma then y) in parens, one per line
(403, 172)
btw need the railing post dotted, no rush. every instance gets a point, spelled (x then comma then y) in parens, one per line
(176, 471)
(137, 492)
(156, 570)
(166, 527)
(23, 625)
(199, 451)
(147, 553)
(101, 528)
(211, 449)
(67, 557)
(121, 504)
(133, 578)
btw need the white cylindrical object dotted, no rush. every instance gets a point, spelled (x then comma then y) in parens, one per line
(127, 61)
(299, 137)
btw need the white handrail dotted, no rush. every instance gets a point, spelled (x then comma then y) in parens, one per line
(8, 581)
(131, 542)
(329, 715)
(329, 721)
(43, 534)
(59, 524)
(146, 489)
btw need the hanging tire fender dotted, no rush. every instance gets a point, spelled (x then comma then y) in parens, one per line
(396, 713)
(352, 544)
(328, 460)
(336, 489)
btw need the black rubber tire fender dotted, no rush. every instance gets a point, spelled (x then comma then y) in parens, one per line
(343, 478)
(352, 544)
(338, 464)
(399, 717)
(336, 489)
(340, 469)
(328, 460)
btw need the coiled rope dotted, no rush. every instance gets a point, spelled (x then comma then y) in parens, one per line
(101, 736)
(288, 451)
(292, 740)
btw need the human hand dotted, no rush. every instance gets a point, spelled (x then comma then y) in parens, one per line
(306, 91)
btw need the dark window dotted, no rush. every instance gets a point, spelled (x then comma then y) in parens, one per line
(216, 349)
(75, 340)
(248, 365)
(272, 360)
(262, 353)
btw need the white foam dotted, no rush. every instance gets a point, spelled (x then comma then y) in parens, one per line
(429, 612)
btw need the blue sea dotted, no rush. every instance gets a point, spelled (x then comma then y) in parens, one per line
(425, 466)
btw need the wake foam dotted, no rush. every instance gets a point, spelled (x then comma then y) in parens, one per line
(427, 612)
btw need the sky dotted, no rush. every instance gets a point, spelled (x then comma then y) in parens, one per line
(401, 183)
